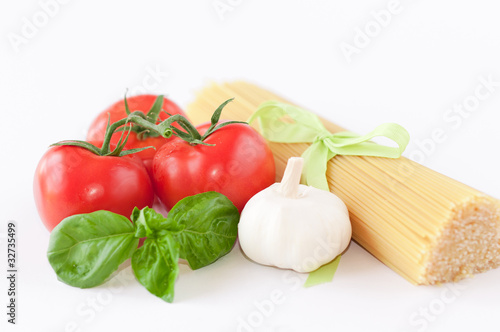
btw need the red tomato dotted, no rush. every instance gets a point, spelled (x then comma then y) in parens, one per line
(238, 166)
(72, 180)
(117, 112)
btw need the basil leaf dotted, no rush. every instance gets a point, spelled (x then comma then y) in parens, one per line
(155, 266)
(85, 249)
(209, 223)
(148, 223)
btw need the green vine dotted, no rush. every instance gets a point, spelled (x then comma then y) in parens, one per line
(145, 125)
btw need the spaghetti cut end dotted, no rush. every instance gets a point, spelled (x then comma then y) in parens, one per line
(468, 244)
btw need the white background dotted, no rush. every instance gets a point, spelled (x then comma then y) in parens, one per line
(418, 63)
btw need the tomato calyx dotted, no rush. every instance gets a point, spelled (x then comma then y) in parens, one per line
(134, 118)
(191, 135)
(145, 126)
(152, 116)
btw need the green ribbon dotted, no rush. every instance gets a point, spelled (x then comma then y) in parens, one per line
(284, 123)
(324, 274)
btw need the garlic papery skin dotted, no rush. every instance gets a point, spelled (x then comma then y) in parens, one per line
(293, 226)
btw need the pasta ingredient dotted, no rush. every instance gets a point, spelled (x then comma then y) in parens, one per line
(293, 226)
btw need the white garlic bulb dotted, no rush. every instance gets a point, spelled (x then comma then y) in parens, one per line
(293, 226)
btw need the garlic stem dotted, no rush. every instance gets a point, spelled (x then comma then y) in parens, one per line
(289, 185)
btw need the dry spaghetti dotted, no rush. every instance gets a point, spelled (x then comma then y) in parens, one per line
(427, 227)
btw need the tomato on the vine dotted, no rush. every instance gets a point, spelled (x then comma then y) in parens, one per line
(230, 158)
(139, 137)
(73, 180)
(75, 177)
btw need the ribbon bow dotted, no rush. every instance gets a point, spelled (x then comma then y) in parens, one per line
(284, 123)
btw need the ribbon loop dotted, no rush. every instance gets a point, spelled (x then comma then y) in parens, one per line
(284, 123)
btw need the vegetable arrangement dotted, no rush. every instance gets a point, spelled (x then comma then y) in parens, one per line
(85, 191)
(75, 177)
(96, 198)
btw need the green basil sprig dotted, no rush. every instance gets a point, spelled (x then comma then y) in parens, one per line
(85, 249)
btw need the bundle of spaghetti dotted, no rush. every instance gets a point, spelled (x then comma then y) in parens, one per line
(427, 227)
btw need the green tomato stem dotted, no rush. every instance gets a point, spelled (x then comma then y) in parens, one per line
(191, 134)
(147, 123)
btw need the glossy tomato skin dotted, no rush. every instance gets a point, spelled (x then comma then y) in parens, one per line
(117, 112)
(72, 180)
(238, 166)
